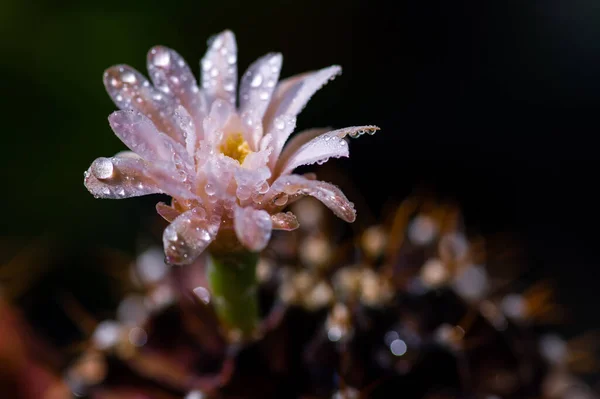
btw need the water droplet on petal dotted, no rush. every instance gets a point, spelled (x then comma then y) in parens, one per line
(210, 189)
(264, 95)
(206, 64)
(202, 294)
(256, 80)
(102, 168)
(161, 58)
(281, 200)
(280, 123)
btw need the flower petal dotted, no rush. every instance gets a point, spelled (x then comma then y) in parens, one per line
(219, 68)
(138, 133)
(285, 221)
(283, 127)
(292, 94)
(251, 178)
(258, 83)
(188, 127)
(220, 113)
(253, 227)
(129, 89)
(171, 75)
(297, 141)
(321, 148)
(120, 177)
(167, 212)
(327, 193)
(188, 236)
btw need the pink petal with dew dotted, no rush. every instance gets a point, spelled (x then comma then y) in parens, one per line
(283, 127)
(258, 83)
(330, 195)
(188, 236)
(219, 68)
(120, 177)
(252, 128)
(220, 114)
(171, 75)
(130, 90)
(321, 148)
(253, 227)
(167, 212)
(292, 94)
(251, 178)
(188, 127)
(138, 133)
(285, 221)
(297, 141)
(218, 172)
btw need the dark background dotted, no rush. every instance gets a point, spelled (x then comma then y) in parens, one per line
(493, 103)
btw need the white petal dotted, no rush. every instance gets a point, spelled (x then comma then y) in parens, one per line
(252, 128)
(297, 141)
(120, 177)
(188, 236)
(253, 227)
(292, 94)
(327, 193)
(188, 127)
(321, 148)
(171, 75)
(219, 68)
(220, 113)
(129, 89)
(258, 83)
(138, 133)
(283, 127)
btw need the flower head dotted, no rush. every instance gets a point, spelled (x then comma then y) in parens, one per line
(225, 167)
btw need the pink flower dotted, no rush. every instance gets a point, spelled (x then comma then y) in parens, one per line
(226, 168)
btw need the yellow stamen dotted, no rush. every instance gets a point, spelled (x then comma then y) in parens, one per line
(235, 147)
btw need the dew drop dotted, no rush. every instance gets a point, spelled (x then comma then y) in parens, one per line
(264, 95)
(210, 189)
(206, 64)
(279, 123)
(128, 77)
(202, 294)
(256, 80)
(398, 347)
(102, 168)
(281, 200)
(232, 59)
(161, 58)
(229, 86)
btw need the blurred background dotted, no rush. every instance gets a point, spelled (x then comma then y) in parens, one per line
(493, 104)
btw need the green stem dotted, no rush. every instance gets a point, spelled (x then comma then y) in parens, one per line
(233, 284)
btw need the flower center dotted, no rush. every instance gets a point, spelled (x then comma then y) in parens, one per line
(235, 147)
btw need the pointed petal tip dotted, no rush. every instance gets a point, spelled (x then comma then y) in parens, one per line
(217, 39)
